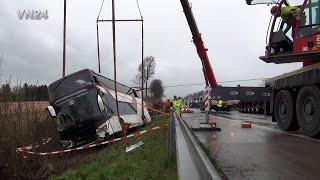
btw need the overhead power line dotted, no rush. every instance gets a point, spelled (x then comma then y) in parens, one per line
(222, 82)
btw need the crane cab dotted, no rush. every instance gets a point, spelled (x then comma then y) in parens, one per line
(301, 46)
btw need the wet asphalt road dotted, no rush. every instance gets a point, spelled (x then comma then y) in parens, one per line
(262, 152)
(256, 119)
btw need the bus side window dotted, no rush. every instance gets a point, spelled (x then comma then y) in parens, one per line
(108, 109)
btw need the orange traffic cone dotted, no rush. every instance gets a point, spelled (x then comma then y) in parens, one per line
(246, 124)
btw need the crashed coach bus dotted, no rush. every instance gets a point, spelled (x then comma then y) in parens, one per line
(83, 105)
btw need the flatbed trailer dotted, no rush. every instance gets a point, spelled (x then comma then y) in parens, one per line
(295, 102)
(293, 99)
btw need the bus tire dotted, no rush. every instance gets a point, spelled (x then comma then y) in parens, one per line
(124, 132)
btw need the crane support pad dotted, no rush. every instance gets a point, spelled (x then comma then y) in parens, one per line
(242, 93)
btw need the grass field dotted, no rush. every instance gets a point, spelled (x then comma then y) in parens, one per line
(23, 123)
(147, 162)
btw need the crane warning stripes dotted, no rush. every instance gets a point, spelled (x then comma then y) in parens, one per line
(207, 99)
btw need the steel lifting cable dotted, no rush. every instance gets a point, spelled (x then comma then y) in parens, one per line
(98, 44)
(142, 59)
(88, 146)
(100, 9)
(98, 47)
(114, 54)
(139, 9)
(114, 48)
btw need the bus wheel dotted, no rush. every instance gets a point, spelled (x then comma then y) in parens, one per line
(283, 111)
(67, 144)
(124, 127)
(144, 121)
(308, 110)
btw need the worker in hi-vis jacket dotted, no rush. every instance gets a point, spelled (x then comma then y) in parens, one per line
(220, 105)
(289, 15)
(176, 105)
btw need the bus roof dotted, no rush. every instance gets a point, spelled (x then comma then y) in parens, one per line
(79, 80)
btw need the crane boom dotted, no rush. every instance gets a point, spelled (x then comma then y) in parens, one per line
(197, 40)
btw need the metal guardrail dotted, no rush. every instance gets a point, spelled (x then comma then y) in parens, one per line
(171, 147)
(192, 161)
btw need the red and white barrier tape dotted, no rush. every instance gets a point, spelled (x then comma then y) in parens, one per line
(34, 146)
(27, 149)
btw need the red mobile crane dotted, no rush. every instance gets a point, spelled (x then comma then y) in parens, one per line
(295, 96)
(201, 50)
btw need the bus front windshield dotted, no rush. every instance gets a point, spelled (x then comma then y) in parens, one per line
(69, 85)
(79, 108)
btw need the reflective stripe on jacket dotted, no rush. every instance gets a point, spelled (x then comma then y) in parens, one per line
(288, 13)
(220, 103)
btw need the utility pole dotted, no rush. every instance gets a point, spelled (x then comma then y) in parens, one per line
(142, 64)
(98, 45)
(64, 38)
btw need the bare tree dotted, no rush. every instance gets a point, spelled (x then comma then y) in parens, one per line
(156, 89)
(1, 62)
(148, 70)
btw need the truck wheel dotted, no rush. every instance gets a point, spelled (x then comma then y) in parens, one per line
(283, 111)
(308, 110)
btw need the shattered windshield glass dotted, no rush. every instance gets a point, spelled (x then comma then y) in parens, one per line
(78, 108)
(69, 84)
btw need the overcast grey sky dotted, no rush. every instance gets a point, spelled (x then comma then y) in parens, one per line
(233, 32)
